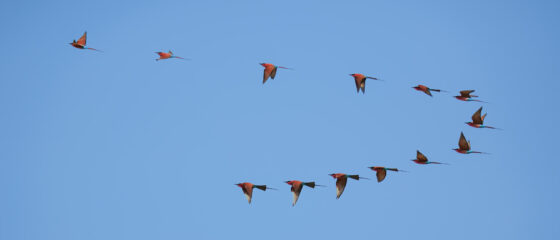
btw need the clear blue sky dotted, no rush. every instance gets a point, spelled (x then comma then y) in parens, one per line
(115, 145)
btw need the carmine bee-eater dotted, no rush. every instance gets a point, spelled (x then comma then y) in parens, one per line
(270, 70)
(248, 189)
(381, 172)
(297, 186)
(478, 120)
(341, 180)
(426, 89)
(360, 80)
(467, 97)
(166, 55)
(422, 159)
(81, 43)
(465, 146)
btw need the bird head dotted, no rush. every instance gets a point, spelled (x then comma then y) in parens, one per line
(289, 182)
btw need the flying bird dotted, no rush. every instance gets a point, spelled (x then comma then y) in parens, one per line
(381, 172)
(467, 97)
(426, 89)
(360, 80)
(248, 189)
(297, 186)
(167, 55)
(422, 159)
(464, 146)
(341, 180)
(270, 71)
(478, 120)
(81, 43)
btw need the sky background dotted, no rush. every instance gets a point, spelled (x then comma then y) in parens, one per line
(115, 145)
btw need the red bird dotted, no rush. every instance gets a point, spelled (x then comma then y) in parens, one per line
(478, 120)
(81, 43)
(381, 172)
(297, 186)
(248, 189)
(270, 70)
(427, 90)
(467, 97)
(465, 146)
(341, 180)
(422, 159)
(360, 80)
(166, 55)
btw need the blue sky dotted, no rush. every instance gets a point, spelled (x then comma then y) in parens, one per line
(115, 145)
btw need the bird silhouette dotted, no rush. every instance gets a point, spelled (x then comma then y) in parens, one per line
(465, 146)
(81, 43)
(467, 97)
(478, 120)
(297, 186)
(167, 55)
(248, 189)
(422, 159)
(341, 180)
(381, 172)
(360, 80)
(426, 89)
(270, 71)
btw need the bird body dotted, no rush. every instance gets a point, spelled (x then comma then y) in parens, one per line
(422, 159)
(426, 89)
(360, 80)
(81, 43)
(464, 146)
(270, 71)
(467, 96)
(478, 120)
(381, 172)
(248, 189)
(341, 180)
(166, 55)
(297, 186)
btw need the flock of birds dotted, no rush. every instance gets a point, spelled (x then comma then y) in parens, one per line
(342, 178)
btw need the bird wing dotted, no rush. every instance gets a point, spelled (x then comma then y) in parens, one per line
(296, 190)
(466, 93)
(476, 118)
(273, 73)
(463, 144)
(267, 73)
(381, 173)
(421, 157)
(248, 191)
(427, 91)
(82, 40)
(363, 85)
(358, 83)
(340, 185)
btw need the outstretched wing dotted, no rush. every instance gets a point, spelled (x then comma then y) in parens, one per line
(466, 93)
(82, 40)
(476, 118)
(248, 191)
(421, 157)
(296, 190)
(381, 173)
(463, 144)
(267, 73)
(340, 185)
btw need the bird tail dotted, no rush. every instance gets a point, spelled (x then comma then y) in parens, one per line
(356, 177)
(393, 169)
(261, 187)
(286, 68)
(309, 184)
(94, 49)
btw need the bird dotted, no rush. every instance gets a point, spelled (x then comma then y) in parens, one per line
(464, 146)
(467, 97)
(426, 89)
(478, 120)
(360, 80)
(270, 70)
(341, 180)
(381, 172)
(248, 189)
(297, 186)
(422, 159)
(166, 55)
(81, 43)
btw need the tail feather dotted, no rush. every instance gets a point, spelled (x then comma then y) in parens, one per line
(261, 187)
(310, 184)
(357, 177)
(393, 169)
